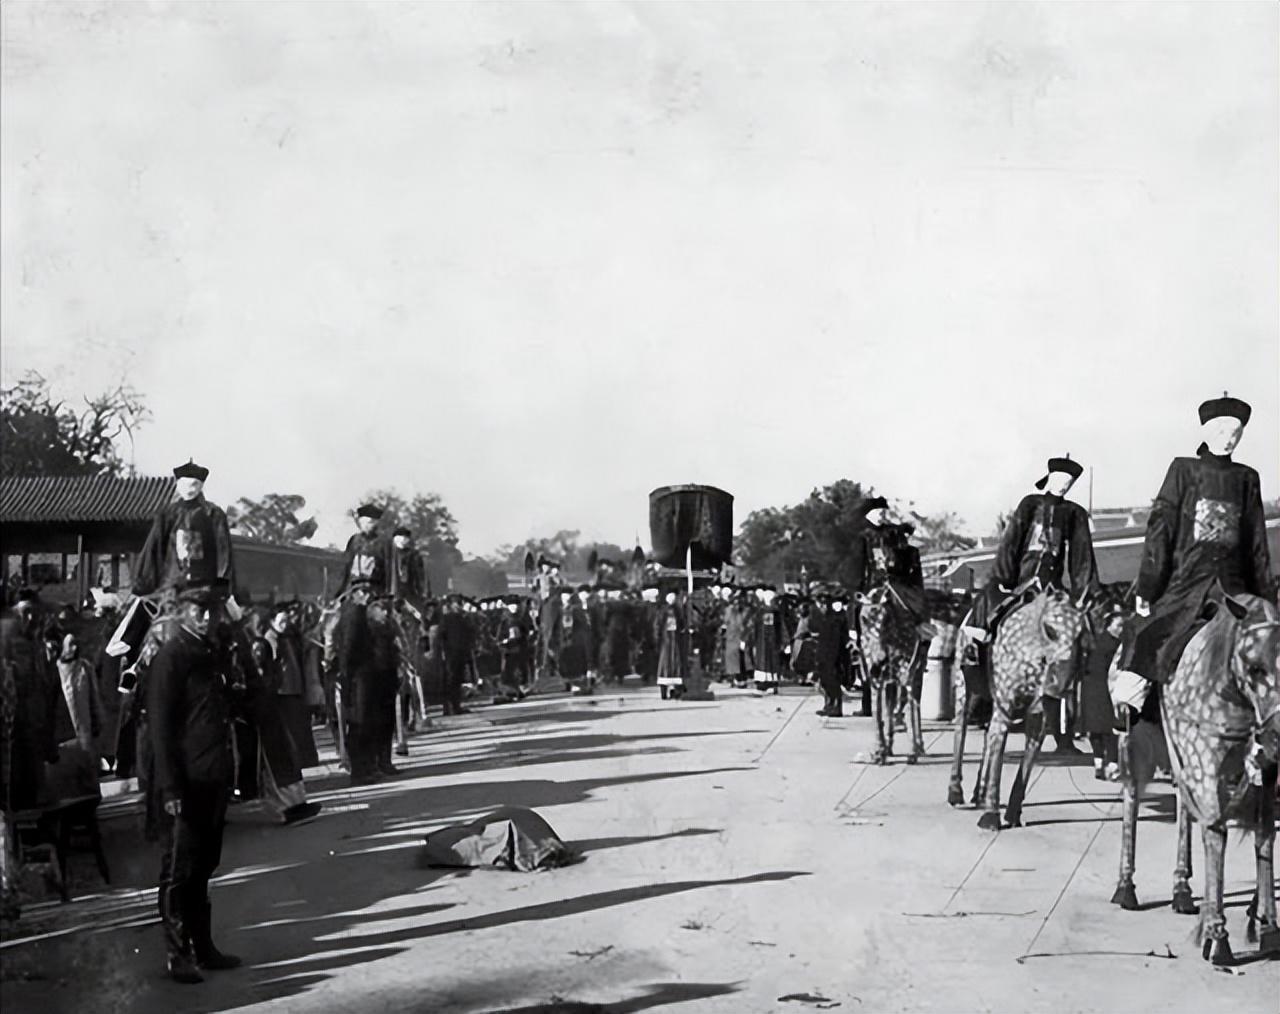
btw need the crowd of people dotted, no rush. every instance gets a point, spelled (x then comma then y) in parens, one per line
(209, 703)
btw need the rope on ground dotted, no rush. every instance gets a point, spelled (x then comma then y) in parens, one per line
(1108, 812)
(1168, 954)
(803, 701)
(964, 915)
(983, 854)
(902, 771)
(1061, 894)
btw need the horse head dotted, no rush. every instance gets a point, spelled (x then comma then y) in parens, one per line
(1255, 665)
(1061, 621)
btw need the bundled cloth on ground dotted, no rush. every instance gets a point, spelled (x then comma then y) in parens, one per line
(513, 838)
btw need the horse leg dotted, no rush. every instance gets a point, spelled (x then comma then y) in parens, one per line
(1035, 736)
(1217, 948)
(913, 714)
(955, 790)
(1183, 903)
(878, 702)
(1264, 841)
(992, 762)
(402, 738)
(891, 688)
(980, 780)
(1125, 896)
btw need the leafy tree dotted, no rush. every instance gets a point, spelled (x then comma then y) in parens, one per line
(940, 533)
(41, 435)
(817, 537)
(273, 518)
(479, 578)
(573, 555)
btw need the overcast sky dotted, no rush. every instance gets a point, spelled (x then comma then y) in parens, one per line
(544, 258)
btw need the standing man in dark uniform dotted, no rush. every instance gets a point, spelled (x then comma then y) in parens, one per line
(832, 628)
(189, 541)
(189, 705)
(457, 642)
(515, 637)
(1206, 535)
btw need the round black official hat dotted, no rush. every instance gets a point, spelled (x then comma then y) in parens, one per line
(191, 471)
(1216, 408)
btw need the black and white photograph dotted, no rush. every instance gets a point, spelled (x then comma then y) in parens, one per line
(609, 506)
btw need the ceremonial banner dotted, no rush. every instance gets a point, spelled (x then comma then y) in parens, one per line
(691, 517)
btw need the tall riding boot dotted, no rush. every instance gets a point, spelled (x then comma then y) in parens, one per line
(177, 936)
(206, 954)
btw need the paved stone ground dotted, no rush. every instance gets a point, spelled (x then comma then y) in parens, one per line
(739, 859)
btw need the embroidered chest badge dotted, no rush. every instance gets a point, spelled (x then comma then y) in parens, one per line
(1217, 521)
(362, 565)
(188, 545)
(671, 623)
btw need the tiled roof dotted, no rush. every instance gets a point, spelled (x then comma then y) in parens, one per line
(70, 499)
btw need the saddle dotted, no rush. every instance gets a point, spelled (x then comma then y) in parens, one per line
(1153, 645)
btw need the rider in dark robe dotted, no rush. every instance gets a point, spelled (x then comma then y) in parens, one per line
(1206, 531)
(407, 573)
(1047, 539)
(366, 562)
(886, 558)
(189, 541)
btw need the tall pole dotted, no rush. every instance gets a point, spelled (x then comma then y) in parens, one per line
(1090, 489)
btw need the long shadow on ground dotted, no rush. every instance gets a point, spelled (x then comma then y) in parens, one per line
(309, 886)
(661, 994)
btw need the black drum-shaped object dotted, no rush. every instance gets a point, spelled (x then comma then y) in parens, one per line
(694, 516)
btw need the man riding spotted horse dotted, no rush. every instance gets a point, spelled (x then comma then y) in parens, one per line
(1031, 615)
(1209, 638)
(892, 621)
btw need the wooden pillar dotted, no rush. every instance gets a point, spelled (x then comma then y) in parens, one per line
(82, 572)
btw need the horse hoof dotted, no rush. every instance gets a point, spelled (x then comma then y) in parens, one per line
(911, 758)
(955, 796)
(1183, 903)
(1126, 897)
(976, 798)
(1269, 939)
(1218, 951)
(990, 821)
(1014, 821)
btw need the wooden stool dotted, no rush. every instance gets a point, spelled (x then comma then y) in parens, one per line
(55, 827)
(32, 832)
(78, 815)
